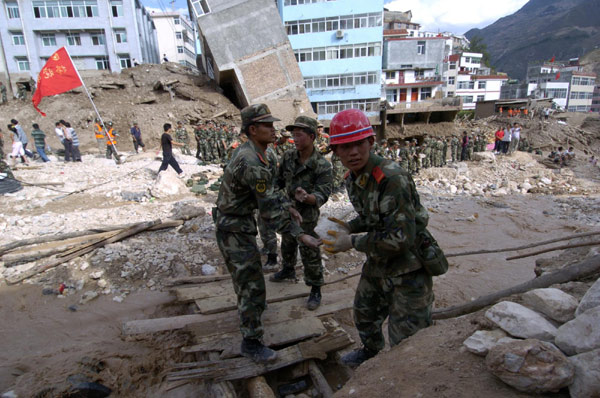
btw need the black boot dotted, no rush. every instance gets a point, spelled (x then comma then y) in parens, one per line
(314, 300)
(284, 274)
(257, 351)
(271, 261)
(354, 358)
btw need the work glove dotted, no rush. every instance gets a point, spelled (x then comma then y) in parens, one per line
(310, 241)
(341, 223)
(342, 242)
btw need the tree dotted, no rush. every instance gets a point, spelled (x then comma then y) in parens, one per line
(478, 46)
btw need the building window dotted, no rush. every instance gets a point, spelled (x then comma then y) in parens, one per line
(421, 47)
(367, 105)
(125, 61)
(102, 63)
(97, 39)
(391, 96)
(390, 75)
(452, 65)
(337, 52)
(22, 63)
(65, 9)
(180, 49)
(467, 60)
(73, 39)
(300, 2)
(12, 10)
(425, 93)
(450, 94)
(178, 35)
(200, 7)
(48, 40)
(466, 85)
(18, 39)
(480, 98)
(451, 80)
(117, 8)
(419, 74)
(468, 99)
(121, 36)
(481, 85)
(176, 21)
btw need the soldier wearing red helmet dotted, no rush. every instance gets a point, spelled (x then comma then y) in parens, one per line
(393, 283)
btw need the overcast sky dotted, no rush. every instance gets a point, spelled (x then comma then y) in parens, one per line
(456, 16)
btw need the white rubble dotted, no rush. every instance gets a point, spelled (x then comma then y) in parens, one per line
(586, 382)
(480, 342)
(520, 321)
(554, 303)
(488, 157)
(168, 184)
(531, 366)
(580, 335)
(590, 300)
(208, 269)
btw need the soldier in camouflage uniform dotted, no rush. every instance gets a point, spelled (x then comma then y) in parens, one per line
(181, 135)
(404, 156)
(268, 236)
(470, 145)
(283, 144)
(306, 177)
(454, 148)
(3, 99)
(426, 150)
(393, 282)
(248, 185)
(445, 144)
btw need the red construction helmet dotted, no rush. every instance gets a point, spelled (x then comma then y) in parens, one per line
(349, 126)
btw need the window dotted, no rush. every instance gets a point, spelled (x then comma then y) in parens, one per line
(480, 98)
(300, 2)
(73, 39)
(65, 9)
(475, 60)
(97, 39)
(556, 93)
(466, 85)
(178, 35)
(18, 39)
(576, 81)
(481, 85)
(116, 8)
(102, 63)
(451, 80)
(421, 47)
(176, 21)
(390, 75)
(425, 93)
(452, 65)
(419, 74)
(121, 36)
(12, 10)
(467, 60)
(468, 99)
(200, 7)
(450, 94)
(22, 63)
(337, 52)
(125, 61)
(180, 49)
(333, 23)
(48, 40)
(368, 105)
(391, 96)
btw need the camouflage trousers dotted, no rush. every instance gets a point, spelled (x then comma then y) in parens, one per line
(311, 258)
(185, 149)
(407, 300)
(267, 236)
(242, 259)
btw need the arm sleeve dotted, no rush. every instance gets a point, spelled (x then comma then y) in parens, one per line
(323, 184)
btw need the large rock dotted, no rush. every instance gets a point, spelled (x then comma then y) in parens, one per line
(482, 341)
(531, 366)
(590, 300)
(488, 157)
(586, 383)
(554, 303)
(582, 334)
(168, 184)
(520, 321)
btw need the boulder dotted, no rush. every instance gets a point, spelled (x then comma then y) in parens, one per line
(582, 334)
(554, 303)
(531, 366)
(482, 341)
(590, 300)
(168, 184)
(587, 375)
(520, 321)
(487, 157)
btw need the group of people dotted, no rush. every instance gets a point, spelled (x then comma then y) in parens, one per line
(23, 88)
(563, 156)
(507, 139)
(286, 194)
(20, 141)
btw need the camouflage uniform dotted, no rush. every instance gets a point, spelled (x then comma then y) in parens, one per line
(444, 151)
(3, 99)
(339, 171)
(393, 283)
(247, 185)
(280, 148)
(267, 235)
(181, 135)
(470, 145)
(454, 149)
(315, 177)
(404, 155)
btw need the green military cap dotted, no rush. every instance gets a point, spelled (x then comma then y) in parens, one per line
(320, 124)
(304, 122)
(257, 113)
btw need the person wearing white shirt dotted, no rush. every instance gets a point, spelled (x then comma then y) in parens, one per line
(515, 137)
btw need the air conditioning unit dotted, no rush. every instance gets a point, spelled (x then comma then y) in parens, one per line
(339, 34)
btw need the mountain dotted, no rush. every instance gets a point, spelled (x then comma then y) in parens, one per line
(540, 30)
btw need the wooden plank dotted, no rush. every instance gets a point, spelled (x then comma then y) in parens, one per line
(190, 280)
(243, 368)
(258, 388)
(218, 288)
(229, 321)
(275, 335)
(319, 380)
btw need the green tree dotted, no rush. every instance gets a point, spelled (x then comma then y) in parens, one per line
(478, 46)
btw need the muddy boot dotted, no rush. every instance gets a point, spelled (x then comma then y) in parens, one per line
(354, 358)
(314, 300)
(271, 261)
(288, 274)
(257, 351)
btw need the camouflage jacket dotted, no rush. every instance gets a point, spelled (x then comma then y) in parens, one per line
(389, 210)
(248, 185)
(182, 135)
(314, 176)
(280, 149)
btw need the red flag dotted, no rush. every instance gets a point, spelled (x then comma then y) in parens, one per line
(57, 76)
(552, 60)
(557, 76)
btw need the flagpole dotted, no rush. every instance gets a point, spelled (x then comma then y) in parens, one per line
(113, 143)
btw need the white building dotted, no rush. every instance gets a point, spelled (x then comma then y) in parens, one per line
(176, 38)
(475, 88)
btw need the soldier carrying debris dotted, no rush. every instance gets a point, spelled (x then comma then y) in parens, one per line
(248, 185)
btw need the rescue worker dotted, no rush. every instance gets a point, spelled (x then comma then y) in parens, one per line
(111, 142)
(181, 135)
(3, 99)
(393, 282)
(99, 134)
(248, 185)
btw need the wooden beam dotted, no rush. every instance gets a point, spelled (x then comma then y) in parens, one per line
(319, 380)
(258, 388)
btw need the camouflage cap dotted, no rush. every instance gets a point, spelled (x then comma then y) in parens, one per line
(319, 124)
(286, 134)
(304, 122)
(257, 113)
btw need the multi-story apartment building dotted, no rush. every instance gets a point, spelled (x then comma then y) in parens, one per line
(176, 38)
(581, 90)
(99, 34)
(338, 46)
(596, 99)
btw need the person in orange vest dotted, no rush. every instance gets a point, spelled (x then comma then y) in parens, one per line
(111, 142)
(525, 112)
(501, 110)
(98, 131)
(510, 112)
